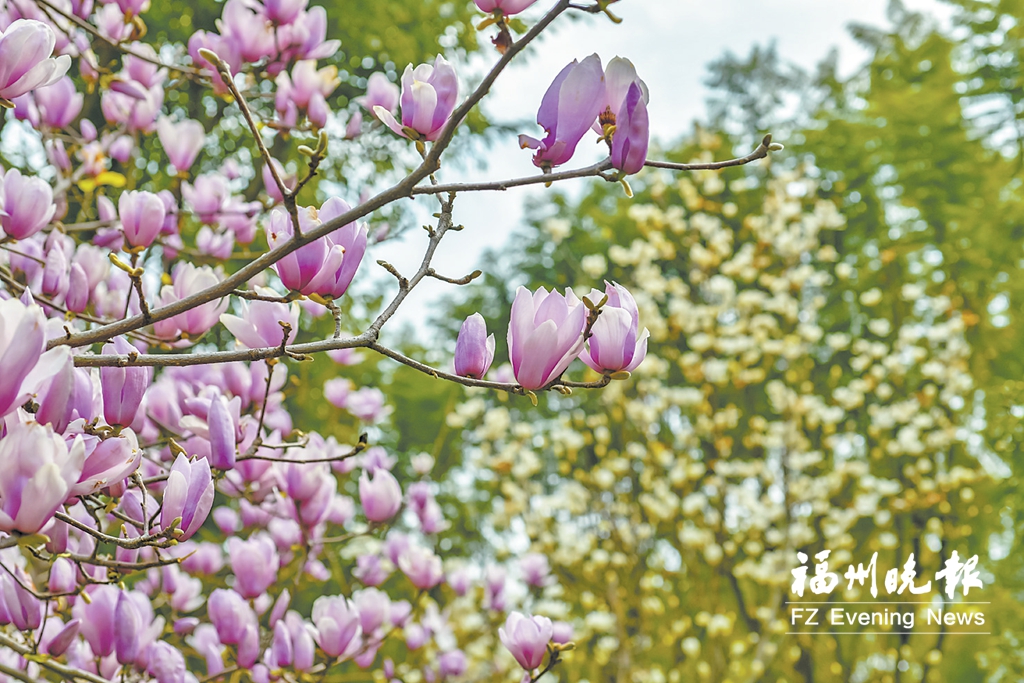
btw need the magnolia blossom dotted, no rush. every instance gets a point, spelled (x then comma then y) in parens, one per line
(325, 266)
(507, 7)
(25, 366)
(123, 387)
(188, 280)
(567, 110)
(545, 334)
(181, 141)
(380, 92)
(141, 217)
(526, 638)
(27, 204)
(615, 342)
(429, 94)
(262, 323)
(188, 495)
(39, 470)
(306, 90)
(619, 76)
(59, 103)
(474, 349)
(25, 61)
(380, 494)
(254, 562)
(338, 626)
(632, 133)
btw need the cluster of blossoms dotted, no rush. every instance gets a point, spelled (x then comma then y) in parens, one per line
(164, 524)
(548, 331)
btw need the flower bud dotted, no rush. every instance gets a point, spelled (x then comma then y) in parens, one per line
(27, 204)
(142, 216)
(380, 495)
(429, 94)
(123, 388)
(474, 350)
(615, 344)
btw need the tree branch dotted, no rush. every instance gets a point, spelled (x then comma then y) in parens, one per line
(760, 153)
(402, 189)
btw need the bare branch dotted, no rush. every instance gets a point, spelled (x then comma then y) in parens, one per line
(760, 153)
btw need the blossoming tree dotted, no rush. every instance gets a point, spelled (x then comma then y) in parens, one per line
(175, 228)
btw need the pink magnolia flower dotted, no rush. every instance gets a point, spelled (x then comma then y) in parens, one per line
(380, 495)
(632, 133)
(108, 462)
(182, 141)
(123, 388)
(144, 72)
(567, 110)
(142, 216)
(207, 196)
(25, 61)
(188, 495)
(307, 89)
(189, 279)
(254, 562)
(259, 325)
(507, 7)
(545, 334)
(380, 92)
(526, 638)
(24, 366)
(337, 623)
(368, 404)
(27, 204)
(249, 32)
(474, 350)
(421, 566)
(429, 94)
(58, 103)
(615, 343)
(619, 75)
(39, 470)
(327, 265)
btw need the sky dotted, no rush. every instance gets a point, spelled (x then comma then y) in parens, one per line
(670, 42)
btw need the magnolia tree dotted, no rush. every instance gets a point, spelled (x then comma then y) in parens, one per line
(162, 516)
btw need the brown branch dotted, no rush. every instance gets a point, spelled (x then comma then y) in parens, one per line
(164, 539)
(760, 153)
(51, 664)
(502, 185)
(229, 81)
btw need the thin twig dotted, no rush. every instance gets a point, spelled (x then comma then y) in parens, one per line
(160, 540)
(229, 81)
(86, 26)
(760, 153)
